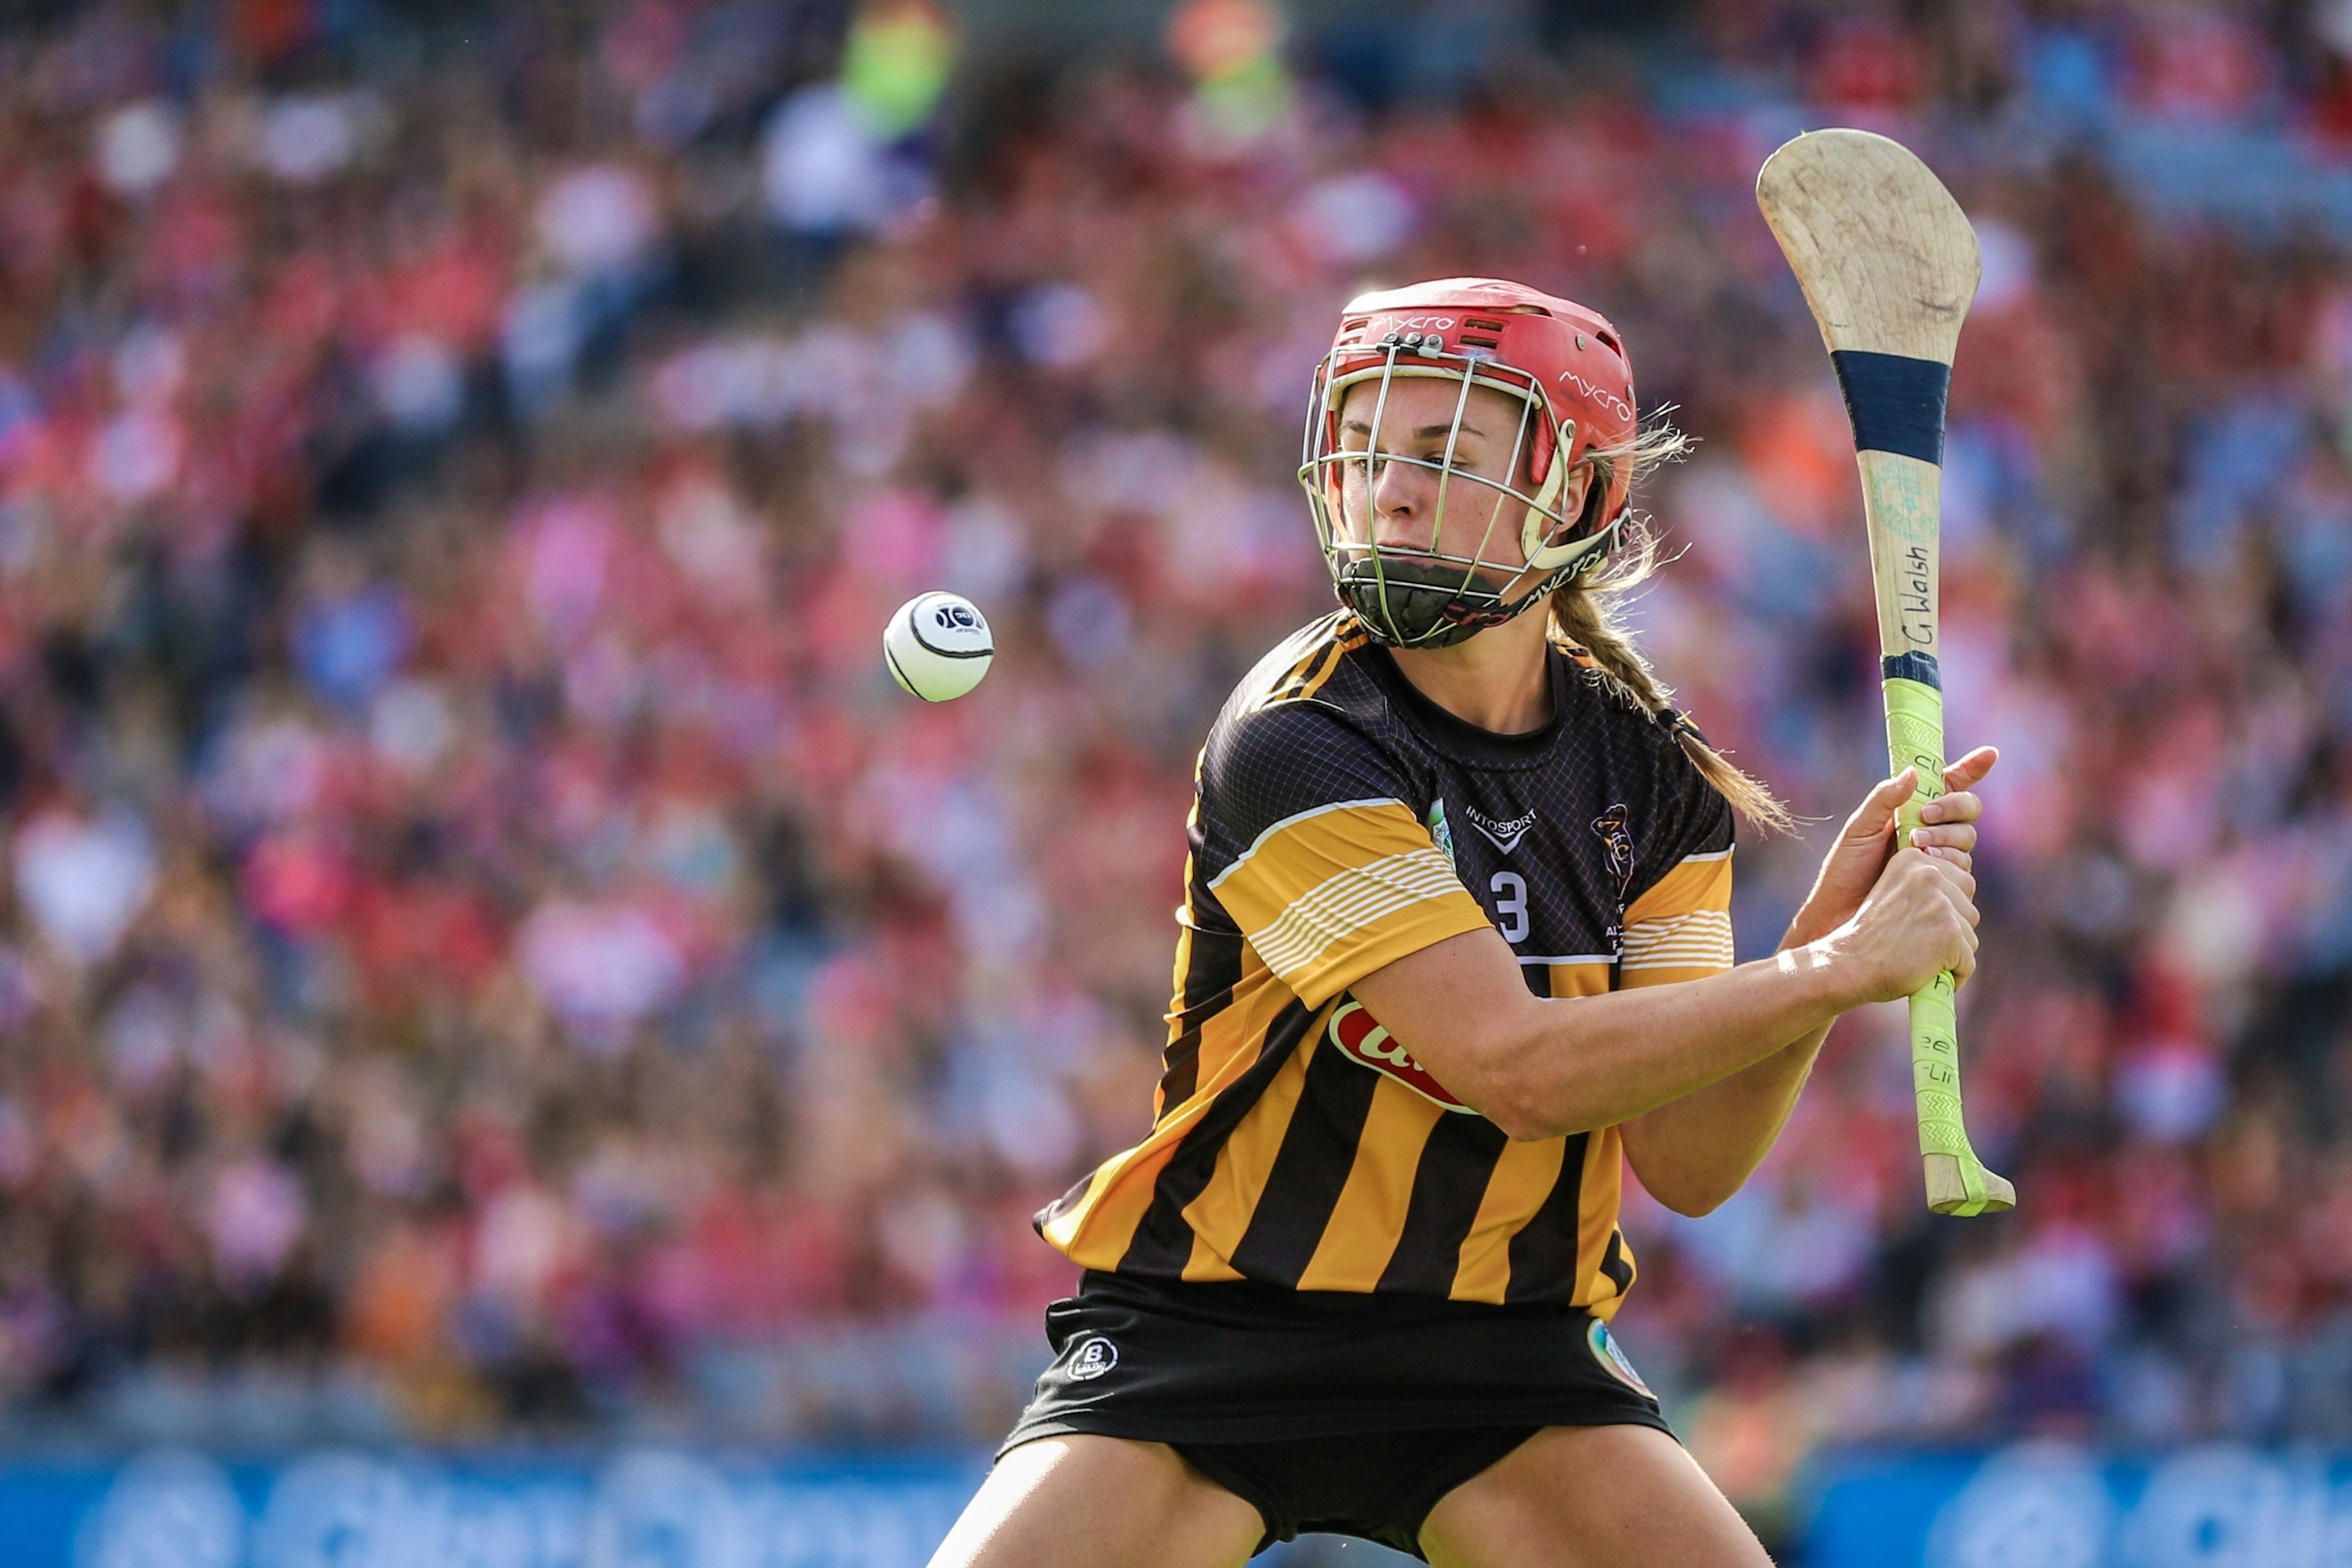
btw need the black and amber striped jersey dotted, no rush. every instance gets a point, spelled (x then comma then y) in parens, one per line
(1340, 821)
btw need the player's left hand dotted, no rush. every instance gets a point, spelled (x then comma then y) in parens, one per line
(1948, 831)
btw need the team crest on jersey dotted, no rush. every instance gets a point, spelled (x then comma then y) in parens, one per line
(1360, 1039)
(1619, 846)
(1503, 835)
(1613, 1361)
(1095, 1358)
(1440, 833)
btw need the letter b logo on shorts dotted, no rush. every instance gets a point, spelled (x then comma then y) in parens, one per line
(1095, 1358)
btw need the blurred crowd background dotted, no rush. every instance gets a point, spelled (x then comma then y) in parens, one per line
(485, 950)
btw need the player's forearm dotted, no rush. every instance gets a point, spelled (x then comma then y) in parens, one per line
(1541, 1069)
(1693, 1153)
(1598, 1061)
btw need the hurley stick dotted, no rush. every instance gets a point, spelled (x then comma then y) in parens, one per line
(1889, 264)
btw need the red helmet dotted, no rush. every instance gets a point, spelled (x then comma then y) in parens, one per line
(1569, 371)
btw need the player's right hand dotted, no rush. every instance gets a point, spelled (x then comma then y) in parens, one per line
(1919, 920)
(1947, 830)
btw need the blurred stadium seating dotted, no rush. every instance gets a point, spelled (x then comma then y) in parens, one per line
(487, 954)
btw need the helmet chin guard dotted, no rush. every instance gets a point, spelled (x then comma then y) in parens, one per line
(1409, 600)
(1561, 365)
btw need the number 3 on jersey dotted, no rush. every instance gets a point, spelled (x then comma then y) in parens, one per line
(1510, 891)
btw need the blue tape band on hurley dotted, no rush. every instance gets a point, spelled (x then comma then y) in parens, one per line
(1896, 402)
(1919, 667)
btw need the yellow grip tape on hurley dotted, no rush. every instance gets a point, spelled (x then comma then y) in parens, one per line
(1915, 738)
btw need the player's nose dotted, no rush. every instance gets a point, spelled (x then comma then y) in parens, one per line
(1404, 502)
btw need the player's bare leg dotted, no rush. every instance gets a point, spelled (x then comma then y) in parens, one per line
(1583, 1497)
(1099, 1502)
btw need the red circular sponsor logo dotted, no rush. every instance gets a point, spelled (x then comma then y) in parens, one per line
(1360, 1039)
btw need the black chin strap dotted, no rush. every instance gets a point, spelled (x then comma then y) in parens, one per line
(1604, 545)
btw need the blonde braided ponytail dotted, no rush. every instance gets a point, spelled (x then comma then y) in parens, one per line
(1587, 621)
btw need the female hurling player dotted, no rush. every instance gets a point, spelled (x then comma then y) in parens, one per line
(1455, 947)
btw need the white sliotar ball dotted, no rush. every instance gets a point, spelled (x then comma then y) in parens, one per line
(938, 645)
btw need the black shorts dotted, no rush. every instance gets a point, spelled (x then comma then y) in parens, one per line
(1328, 1411)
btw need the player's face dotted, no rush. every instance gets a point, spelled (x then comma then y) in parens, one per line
(1412, 507)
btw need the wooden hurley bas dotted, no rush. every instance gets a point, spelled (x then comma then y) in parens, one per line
(1889, 265)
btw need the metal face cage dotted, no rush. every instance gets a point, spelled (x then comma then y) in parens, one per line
(1436, 595)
